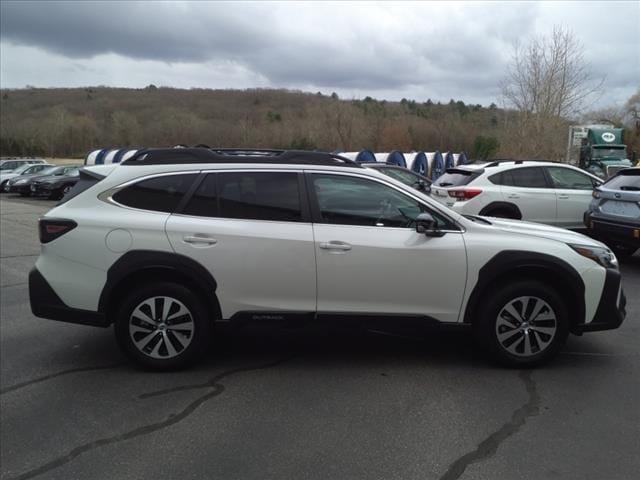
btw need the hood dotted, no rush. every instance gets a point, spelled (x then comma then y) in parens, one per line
(9, 174)
(543, 231)
(615, 161)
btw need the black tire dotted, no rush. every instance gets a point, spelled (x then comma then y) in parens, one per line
(2, 185)
(162, 338)
(509, 350)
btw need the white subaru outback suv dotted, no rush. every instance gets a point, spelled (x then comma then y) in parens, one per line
(173, 241)
(545, 192)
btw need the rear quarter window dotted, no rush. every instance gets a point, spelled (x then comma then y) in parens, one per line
(158, 194)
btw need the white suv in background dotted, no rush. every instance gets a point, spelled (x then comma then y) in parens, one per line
(173, 241)
(544, 192)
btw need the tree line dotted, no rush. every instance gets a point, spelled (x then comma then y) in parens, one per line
(71, 122)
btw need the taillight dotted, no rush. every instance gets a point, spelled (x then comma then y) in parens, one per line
(52, 228)
(464, 193)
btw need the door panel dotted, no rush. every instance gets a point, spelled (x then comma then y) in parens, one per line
(258, 265)
(369, 257)
(390, 270)
(528, 189)
(573, 193)
(249, 230)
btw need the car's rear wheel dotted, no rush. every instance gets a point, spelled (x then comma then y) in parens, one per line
(523, 324)
(163, 326)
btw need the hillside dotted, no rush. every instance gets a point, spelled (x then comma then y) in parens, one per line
(71, 122)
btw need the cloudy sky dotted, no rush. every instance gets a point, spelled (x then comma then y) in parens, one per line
(415, 50)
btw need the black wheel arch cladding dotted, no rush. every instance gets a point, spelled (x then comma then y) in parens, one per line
(149, 263)
(502, 206)
(529, 265)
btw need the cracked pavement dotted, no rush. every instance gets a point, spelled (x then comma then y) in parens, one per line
(305, 404)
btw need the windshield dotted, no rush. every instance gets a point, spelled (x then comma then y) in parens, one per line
(48, 171)
(610, 152)
(22, 168)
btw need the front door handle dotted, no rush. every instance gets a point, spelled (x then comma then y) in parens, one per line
(199, 239)
(513, 195)
(563, 197)
(335, 245)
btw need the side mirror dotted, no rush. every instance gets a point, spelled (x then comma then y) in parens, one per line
(427, 225)
(423, 187)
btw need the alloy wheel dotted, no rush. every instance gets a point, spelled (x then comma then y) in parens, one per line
(526, 326)
(161, 327)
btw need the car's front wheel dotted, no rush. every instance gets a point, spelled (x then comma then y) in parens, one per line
(523, 324)
(163, 326)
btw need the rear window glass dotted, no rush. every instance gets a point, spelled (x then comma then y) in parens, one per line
(159, 194)
(628, 181)
(456, 178)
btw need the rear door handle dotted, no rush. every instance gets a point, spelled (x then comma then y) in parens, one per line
(193, 239)
(563, 197)
(513, 195)
(335, 245)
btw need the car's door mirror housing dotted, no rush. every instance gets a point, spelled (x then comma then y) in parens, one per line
(422, 186)
(427, 225)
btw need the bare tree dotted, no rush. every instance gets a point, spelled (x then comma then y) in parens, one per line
(547, 82)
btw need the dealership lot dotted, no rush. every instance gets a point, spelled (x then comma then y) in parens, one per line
(306, 404)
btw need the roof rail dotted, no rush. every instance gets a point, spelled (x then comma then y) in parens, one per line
(165, 156)
(495, 163)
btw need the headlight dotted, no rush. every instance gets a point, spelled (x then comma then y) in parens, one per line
(602, 256)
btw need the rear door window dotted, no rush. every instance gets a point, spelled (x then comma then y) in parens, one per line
(271, 196)
(530, 177)
(203, 202)
(158, 194)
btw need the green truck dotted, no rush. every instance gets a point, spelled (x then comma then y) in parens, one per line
(598, 149)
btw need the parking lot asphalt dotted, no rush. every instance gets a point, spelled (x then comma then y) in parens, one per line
(294, 404)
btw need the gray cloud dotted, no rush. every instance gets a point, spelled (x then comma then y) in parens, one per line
(397, 50)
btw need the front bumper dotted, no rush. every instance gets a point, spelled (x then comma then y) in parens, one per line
(611, 310)
(42, 190)
(20, 188)
(606, 228)
(45, 303)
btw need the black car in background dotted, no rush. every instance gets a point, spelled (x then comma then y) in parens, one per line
(22, 184)
(614, 213)
(55, 186)
(404, 175)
